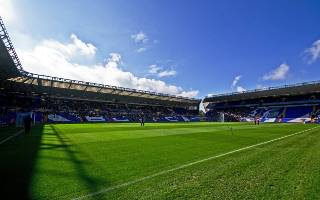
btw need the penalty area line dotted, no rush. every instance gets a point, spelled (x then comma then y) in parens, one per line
(187, 165)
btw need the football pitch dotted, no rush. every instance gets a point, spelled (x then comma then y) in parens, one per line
(163, 161)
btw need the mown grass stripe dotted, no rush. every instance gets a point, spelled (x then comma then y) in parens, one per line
(188, 165)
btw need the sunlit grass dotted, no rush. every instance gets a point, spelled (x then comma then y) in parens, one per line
(71, 160)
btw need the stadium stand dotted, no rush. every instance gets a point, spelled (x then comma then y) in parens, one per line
(54, 99)
(289, 103)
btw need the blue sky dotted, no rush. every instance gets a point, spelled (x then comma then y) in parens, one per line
(191, 48)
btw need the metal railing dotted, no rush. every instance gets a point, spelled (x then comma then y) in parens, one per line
(265, 89)
(8, 44)
(84, 83)
(7, 41)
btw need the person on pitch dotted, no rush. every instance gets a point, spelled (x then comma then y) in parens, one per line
(142, 119)
(27, 124)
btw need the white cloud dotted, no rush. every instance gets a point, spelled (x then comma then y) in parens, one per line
(191, 93)
(260, 87)
(166, 73)
(142, 49)
(235, 85)
(85, 48)
(279, 73)
(156, 70)
(7, 10)
(236, 80)
(51, 57)
(114, 58)
(210, 95)
(313, 53)
(240, 89)
(140, 37)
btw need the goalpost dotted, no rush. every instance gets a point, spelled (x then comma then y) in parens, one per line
(20, 118)
(221, 117)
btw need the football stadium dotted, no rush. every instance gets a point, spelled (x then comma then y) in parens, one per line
(70, 139)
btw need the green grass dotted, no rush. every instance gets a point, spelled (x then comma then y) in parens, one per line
(7, 131)
(66, 161)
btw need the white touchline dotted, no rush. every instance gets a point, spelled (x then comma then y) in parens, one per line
(187, 165)
(11, 136)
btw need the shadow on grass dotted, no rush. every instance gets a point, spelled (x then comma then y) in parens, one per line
(7, 131)
(82, 174)
(19, 158)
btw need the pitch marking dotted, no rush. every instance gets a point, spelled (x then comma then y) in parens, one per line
(186, 165)
(11, 136)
